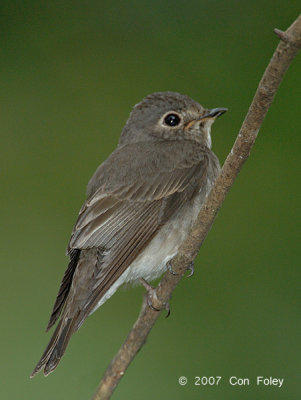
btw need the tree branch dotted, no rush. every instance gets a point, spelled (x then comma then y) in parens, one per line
(290, 44)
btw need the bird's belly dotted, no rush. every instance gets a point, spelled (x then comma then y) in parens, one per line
(152, 261)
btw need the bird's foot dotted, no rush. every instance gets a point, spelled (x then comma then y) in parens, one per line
(169, 267)
(151, 291)
(191, 269)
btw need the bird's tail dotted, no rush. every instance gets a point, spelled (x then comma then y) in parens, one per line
(56, 347)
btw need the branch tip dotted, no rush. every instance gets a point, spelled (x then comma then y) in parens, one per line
(292, 36)
(282, 35)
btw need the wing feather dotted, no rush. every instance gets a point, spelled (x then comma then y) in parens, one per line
(123, 257)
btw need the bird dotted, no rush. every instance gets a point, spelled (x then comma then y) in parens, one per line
(141, 203)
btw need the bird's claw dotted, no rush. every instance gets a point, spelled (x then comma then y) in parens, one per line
(191, 269)
(167, 308)
(169, 267)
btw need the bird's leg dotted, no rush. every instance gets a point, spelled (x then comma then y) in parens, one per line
(169, 267)
(191, 269)
(151, 291)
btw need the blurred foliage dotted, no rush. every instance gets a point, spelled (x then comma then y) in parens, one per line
(70, 73)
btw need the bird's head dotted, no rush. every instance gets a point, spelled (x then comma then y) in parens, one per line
(170, 116)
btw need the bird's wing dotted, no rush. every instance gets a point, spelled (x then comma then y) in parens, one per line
(133, 194)
(137, 193)
(134, 181)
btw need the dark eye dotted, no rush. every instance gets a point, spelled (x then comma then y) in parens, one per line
(172, 120)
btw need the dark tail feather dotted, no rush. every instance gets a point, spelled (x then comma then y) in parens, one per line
(56, 347)
(64, 288)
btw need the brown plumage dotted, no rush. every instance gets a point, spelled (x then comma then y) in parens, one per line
(148, 190)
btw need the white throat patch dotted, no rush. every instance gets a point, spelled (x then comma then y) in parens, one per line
(208, 132)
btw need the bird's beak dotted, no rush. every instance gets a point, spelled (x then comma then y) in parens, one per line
(212, 114)
(209, 115)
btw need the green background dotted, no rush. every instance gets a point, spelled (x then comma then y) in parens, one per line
(70, 73)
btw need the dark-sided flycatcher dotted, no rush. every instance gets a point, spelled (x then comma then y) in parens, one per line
(141, 204)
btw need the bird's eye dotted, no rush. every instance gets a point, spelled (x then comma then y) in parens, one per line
(172, 120)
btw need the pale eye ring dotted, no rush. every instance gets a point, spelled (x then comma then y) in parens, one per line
(172, 119)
